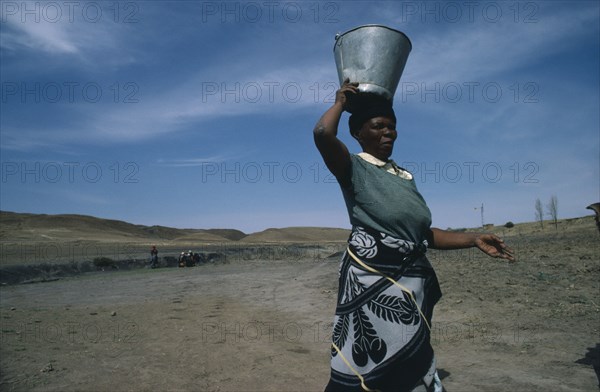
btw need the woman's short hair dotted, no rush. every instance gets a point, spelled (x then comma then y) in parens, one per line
(368, 110)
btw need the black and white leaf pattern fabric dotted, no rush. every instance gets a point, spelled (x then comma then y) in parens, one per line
(355, 287)
(366, 342)
(340, 332)
(395, 309)
(402, 245)
(364, 243)
(378, 323)
(352, 287)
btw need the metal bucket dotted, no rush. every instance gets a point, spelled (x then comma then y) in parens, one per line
(374, 56)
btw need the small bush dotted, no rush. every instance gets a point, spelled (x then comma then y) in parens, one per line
(509, 224)
(104, 262)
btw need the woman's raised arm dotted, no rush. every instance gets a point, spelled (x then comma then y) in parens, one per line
(333, 150)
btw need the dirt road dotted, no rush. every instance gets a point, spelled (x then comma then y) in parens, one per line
(265, 325)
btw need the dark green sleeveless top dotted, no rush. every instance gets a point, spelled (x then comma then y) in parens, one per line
(385, 202)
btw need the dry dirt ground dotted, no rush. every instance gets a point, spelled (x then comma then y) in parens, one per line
(264, 325)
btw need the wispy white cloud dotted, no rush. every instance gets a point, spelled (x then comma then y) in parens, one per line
(84, 198)
(48, 37)
(467, 53)
(75, 196)
(196, 162)
(83, 41)
(480, 51)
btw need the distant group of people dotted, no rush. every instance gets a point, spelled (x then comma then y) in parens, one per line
(189, 259)
(186, 259)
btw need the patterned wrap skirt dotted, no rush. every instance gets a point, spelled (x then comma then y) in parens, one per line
(381, 331)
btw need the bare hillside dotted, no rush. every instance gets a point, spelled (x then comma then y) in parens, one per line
(299, 234)
(41, 227)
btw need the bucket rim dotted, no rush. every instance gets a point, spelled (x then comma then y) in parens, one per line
(339, 35)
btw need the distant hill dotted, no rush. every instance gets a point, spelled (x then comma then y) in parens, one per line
(585, 223)
(67, 227)
(23, 227)
(231, 234)
(299, 234)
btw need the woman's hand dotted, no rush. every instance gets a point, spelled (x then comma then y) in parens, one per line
(333, 150)
(490, 244)
(345, 92)
(494, 246)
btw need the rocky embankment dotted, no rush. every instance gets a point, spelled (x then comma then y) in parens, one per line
(43, 271)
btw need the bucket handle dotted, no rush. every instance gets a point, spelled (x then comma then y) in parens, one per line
(338, 39)
(338, 42)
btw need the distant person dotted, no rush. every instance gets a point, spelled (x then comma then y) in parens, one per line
(596, 208)
(153, 257)
(189, 259)
(182, 259)
(387, 287)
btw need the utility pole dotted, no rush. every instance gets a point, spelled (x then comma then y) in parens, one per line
(480, 209)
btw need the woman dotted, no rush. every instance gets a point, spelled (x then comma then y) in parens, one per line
(387, 288)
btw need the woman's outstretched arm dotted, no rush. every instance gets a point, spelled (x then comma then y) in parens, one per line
(490, 244)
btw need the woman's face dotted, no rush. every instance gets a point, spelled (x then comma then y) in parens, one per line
(377, 137)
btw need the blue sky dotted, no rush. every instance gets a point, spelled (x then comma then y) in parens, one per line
(200, 114)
